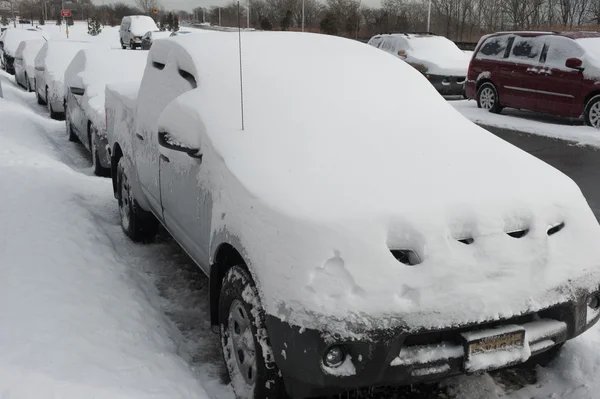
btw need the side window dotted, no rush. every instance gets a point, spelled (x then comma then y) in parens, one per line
(493, 48)
(560, 49)
(527, 49)
(375, 42)
(388, 44)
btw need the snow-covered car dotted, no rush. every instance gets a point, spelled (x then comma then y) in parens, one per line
(132, 29)
(151, 36)
(86, 78)
(50, 64)
(24, 62)
(9, 42)
(345, 249)
(180, 32)
(436, 57)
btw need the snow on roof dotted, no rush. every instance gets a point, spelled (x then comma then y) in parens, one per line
(438, 53)
(56, 55)
(14, 36)
(358, 152)
(140, 24)
(93, 69)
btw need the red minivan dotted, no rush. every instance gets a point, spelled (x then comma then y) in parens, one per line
(550, 72)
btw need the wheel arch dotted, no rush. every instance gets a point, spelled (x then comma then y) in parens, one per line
(117, 154)
(588, 97)
(226, 253)
(480, 83)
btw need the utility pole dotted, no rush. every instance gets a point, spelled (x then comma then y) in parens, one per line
(219, 16)
(203, 15)
(248, 16)
(429, 16)
(302, 15)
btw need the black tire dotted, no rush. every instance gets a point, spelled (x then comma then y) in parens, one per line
(139, 225)
(122, 44)
(53, 115)
(27, 84)
(487, 98)
(96, 165)
(591, 112)
(237, 314)
(132, 45)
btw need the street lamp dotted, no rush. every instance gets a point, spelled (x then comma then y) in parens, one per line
(302, 15)
(429, 16)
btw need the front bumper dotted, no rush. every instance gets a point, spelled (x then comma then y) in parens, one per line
(393, 357)
(448, 85)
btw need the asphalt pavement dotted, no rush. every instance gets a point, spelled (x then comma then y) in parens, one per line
(580, 163)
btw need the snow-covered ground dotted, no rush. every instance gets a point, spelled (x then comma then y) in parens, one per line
(531, 122)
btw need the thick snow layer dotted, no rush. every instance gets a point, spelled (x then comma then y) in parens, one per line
(77, 321)
(439, 54)
(93, 69)
(141, 24)
(427, 354)
(55, 56)
(14, 36)
(354, 184)
(28, 50)
(493, 360)
(530, 122)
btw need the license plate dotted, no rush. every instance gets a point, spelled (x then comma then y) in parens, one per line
(494, 343)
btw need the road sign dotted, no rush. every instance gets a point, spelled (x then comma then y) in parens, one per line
(65, 13)
(155, 10)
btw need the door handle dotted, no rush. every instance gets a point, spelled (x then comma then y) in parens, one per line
(164, 158)
(139, 136)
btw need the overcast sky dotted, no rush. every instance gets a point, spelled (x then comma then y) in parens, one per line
(189, 5)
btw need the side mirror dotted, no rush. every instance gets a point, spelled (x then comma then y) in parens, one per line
(165, 140)
(574, 63)
(402, 54)
(77, 91)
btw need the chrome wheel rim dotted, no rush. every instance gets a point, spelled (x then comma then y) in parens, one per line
(595, 115)
(242, 339)
(487, 98)
(124, 208)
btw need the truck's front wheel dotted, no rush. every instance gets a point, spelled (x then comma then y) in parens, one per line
(244, 340)
(138, 224)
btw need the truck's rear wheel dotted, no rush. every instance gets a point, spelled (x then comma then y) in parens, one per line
(138, 224)
(244, 340)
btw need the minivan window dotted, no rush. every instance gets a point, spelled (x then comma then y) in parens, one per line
(493, 48)
(527, 48)
(388, 44)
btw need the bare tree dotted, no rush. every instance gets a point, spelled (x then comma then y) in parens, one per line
(146, 6)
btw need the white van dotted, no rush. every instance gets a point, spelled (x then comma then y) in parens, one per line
(133, 28)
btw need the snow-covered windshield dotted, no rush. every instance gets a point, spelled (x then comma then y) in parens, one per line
(591, 45)
(14, 37)
(141, 25)
(440, 55)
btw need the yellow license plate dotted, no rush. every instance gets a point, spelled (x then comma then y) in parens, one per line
(495, 343)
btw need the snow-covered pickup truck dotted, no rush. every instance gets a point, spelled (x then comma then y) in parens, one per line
(357, 231)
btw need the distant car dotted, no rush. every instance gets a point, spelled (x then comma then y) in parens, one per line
(548, 72)
(133, 28)
(436, 57)
(24, 62)
(152, 35)
(50, 64)
(9, 42)
(381, 242)
(85, 80)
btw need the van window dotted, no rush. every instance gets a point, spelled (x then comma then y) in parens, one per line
(527, 48)
(559, 49)
(388, 44)
(375, 42)
(493, 48)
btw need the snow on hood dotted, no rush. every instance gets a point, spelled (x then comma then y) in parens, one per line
(141, 24)
(55, 56)
(93, 69)
(13, 37)
(28, 49)
(438, 54)
(327, 177)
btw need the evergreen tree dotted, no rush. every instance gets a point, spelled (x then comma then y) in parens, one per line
(175, 23)
(94, 27)
(170, 21)
(4, 20)
(163, 23)
(59, 21)
(265, 24)
(328, 24)
(286, 22)
(42, 21)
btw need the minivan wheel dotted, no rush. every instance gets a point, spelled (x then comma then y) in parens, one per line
(97, 166)
(138, 224)
(244, 339)
(591, 114)
(39, 98)
(53, 115)
(122, 44)
(72, 136)
(132, 45)
(27, 84)
(487, 98)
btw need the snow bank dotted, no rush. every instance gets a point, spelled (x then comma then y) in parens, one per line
(55, 56)
(93, 69)
(77, 322)
(14, 36)
(355, 179)
(530, 122)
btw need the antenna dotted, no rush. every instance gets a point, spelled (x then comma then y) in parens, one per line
(241, 75)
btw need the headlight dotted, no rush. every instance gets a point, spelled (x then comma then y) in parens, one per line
(334, 356)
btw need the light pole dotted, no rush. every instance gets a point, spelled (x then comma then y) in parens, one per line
(219, 16)
(248, 16)
(429, 16)
(302, 15)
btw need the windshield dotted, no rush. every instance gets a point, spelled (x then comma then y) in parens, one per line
(590, 45)
(143, 25)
